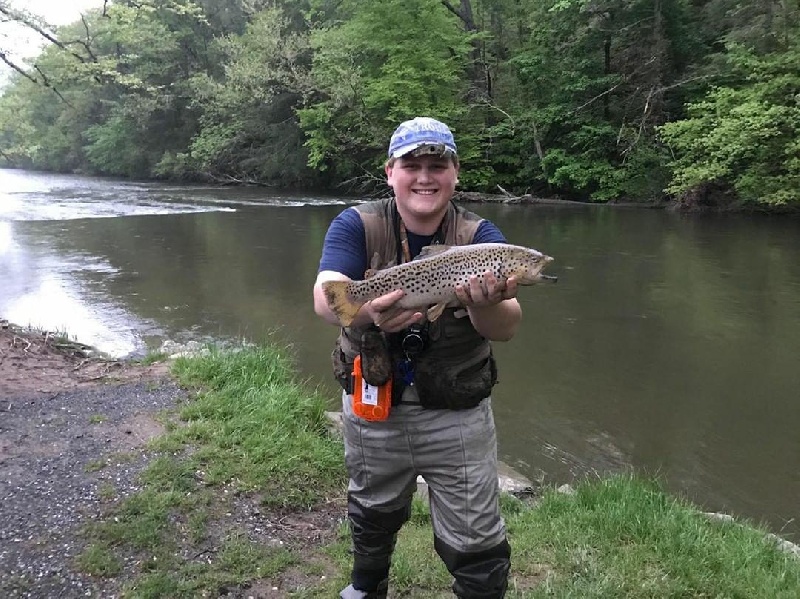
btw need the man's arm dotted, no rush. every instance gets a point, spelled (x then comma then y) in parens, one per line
(493, 309)
(320, 303)
(343, 258)
(344, 251)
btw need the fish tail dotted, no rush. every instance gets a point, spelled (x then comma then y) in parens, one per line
(339, 301)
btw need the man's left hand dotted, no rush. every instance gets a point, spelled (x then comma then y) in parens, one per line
(489, 292)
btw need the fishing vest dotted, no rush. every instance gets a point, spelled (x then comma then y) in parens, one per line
(455, 369)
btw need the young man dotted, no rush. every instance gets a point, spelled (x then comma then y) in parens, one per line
(440, 424)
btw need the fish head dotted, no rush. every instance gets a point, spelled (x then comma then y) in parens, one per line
(527, 264)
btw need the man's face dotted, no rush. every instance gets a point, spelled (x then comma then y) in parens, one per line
(423, 185)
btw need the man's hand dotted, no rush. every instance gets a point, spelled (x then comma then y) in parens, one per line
(381, 311)
(489, 293)
(387, 316)
(491, 305)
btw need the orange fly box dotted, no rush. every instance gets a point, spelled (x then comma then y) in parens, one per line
(370, 402)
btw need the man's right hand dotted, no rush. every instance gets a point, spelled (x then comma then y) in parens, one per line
(386, 315)
(381, 311)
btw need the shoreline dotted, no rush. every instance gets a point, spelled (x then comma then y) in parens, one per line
(73, 367)
(697, 203)
(669, 205)
(107, 455)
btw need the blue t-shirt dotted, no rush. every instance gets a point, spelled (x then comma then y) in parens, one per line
(345, 246)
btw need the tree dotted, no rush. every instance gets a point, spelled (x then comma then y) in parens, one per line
(119, 76)
(375, 65)
(742, 137)
(249, 130)
(596, 77)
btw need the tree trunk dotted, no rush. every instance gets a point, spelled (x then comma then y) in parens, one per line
(480, 75)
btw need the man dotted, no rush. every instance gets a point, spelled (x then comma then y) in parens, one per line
(440, 424)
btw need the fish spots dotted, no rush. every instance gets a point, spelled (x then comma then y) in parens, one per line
(433, 276)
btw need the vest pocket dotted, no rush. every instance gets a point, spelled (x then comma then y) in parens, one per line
(455, 386)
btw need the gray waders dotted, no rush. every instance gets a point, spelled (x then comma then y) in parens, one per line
(456, 452)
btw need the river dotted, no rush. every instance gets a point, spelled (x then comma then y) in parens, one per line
(670, 345)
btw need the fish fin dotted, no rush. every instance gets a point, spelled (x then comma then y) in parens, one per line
(436, 311)
(375, 266)
(432, 250)
(339, 301)
(461, 313)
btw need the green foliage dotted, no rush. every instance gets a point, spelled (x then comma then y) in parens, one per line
(42, 127)
(17, 131)
(593, 95)
(744, 136)
(105, 95)
(248, 129)
(386, 62)
(113, 150)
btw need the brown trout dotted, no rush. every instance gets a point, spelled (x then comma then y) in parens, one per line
(430, 280)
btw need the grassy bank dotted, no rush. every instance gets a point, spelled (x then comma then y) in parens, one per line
(251, 456)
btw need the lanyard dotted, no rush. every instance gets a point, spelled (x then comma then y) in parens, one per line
(403, 247)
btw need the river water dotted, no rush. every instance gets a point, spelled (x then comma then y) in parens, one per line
(670, 345)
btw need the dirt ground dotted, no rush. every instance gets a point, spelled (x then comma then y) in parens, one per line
(33, 363)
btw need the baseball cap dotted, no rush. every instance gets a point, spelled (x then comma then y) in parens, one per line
(423, 134)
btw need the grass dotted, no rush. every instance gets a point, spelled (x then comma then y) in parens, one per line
(106, 492)
(153, 357)
(254, 438)
(95, 465)
(623, 537)
(99, 561)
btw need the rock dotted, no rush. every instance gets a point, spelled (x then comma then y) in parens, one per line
(566, 490)
(190, 349)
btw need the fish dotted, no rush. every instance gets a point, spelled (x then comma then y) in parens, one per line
(429, 281)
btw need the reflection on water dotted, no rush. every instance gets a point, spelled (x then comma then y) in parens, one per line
(668, 345)
(53, 307)
(58, 277)
(6, 239)
(42, 291)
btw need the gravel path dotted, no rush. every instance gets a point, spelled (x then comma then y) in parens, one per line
(64, 458)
